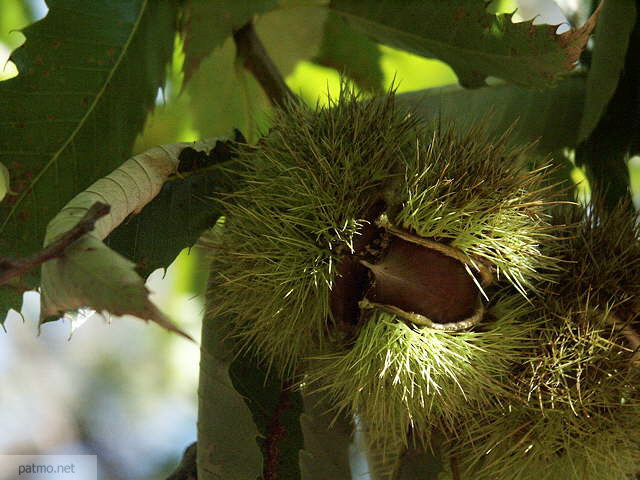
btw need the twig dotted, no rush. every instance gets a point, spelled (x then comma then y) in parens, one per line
(256, 59)
(10, 268)
(187, 470)
(455, 471)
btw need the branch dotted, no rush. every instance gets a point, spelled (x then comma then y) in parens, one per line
(256, 59)
(187, 470)
(455, 471)
(276, 433)
(10, 268)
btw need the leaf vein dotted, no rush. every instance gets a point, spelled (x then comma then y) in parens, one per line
(101, 93)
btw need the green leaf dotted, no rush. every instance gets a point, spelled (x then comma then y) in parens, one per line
(90, 275)
(475, 43)
(276, 410)
(15, 15)
(227, 433)
(237, 101)
(208, 24)
(11, 297)
(419, 464)
(292, 33)
(548, 116)
(326, 442)
(612, 39)
(89, 72)
(352, 53)
(4, 181)
(182, 211)
(604, 153)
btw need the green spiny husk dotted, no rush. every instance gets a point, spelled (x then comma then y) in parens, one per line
(308, 186)
(399, 377)
(473, 194)
(575, 411)
(600, 257)
(525, 445)
(311, 190)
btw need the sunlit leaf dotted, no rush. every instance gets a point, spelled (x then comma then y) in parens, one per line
(352, 53)
(475, 43)
(224, 95)
(292, 33)
(4, 181)
(237, 101)
(208, 24)
(15, 14)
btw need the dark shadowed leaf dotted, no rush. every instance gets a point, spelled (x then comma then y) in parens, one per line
(276, 411)
(475, 43)
(612, 38)
(89, 73)
(419, 464)
(177, 216)
(605, 152)
(549, 116)
(227, 433)
(326, 442)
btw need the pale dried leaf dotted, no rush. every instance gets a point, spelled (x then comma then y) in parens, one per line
(91, 275)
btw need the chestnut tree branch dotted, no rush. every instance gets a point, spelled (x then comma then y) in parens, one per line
(256, 59)
(10, 268)
(455, 471)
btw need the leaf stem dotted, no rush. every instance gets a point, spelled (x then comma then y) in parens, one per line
(256, 59)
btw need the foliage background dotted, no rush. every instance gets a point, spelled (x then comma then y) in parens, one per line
(125, 391)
